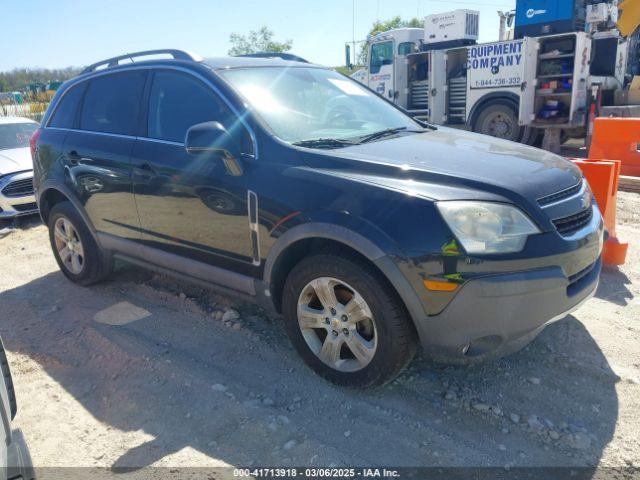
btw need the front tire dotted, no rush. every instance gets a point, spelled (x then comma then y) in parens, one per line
(346, 322)
(78, 255)
(500, 119)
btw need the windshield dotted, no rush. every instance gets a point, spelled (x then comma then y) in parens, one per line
(306, 104)
(16, 135)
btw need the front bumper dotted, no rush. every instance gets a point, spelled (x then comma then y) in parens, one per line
(493, 315)
(496, 313)
(12, 205)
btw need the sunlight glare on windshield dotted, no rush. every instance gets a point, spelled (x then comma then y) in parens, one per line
(262, 99)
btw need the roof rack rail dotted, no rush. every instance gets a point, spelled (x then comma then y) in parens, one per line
(281, 55)
(112, 62)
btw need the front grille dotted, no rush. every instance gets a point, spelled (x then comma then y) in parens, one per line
(26, 207)
(573, 223)
(555, 197)
(19, 188)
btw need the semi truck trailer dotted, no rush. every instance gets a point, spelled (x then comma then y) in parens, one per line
(521, 89)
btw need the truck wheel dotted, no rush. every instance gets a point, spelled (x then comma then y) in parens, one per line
(346, 322)
(499, 119)
(78, 256)
(532, 136)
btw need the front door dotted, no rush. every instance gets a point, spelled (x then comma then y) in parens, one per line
(381, 69)
(190, 205)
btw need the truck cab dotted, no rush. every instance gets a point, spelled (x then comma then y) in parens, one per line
(386, 55)
(461, 84)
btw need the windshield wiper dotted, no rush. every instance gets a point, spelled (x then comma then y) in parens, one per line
(381, 134)
(324, 143)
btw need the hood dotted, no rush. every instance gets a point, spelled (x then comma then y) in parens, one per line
(458, 158)
(15, 160)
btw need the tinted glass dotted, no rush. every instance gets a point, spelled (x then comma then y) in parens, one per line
(65, 113)
(16, 135)
(381, 54)
(179, 101)
(112, 103)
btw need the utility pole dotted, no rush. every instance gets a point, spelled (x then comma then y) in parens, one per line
(503, 26)
(353, 32)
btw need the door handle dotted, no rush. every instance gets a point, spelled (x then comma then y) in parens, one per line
(74, 158)
(144, 170)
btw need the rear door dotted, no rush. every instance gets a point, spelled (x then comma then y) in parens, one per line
(97, 154)
(578, 113)
(437, 86)
(527, 115)
(190, 205)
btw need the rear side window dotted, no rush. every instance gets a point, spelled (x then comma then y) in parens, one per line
(67, 109)
(177, 102)
(405, 48)
(112, 103)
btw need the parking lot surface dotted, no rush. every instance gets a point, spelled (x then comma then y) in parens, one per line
(142, 370)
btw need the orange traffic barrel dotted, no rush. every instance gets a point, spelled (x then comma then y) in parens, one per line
(617, 139)
(602, 176)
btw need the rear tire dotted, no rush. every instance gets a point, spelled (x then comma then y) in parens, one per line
(359, 334)
(78, 255)
(500, 119)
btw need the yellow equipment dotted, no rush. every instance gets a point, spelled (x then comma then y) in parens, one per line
(629, 17)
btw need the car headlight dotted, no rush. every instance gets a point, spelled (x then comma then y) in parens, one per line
(486, 227)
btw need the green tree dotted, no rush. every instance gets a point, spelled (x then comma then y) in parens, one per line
(257, 41)
(21, 78)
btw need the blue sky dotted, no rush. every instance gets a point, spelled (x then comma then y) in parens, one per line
(59, 33)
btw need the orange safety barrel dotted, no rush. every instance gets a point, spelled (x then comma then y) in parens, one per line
(603, 176)
(617, 139)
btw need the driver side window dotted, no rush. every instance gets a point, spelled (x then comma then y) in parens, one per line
(178, 101)
(381, 54)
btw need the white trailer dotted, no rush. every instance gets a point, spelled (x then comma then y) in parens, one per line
(513, 89)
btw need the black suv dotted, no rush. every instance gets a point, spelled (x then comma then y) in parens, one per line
(306, 192)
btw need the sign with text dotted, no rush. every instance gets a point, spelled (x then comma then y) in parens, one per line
(496, 65)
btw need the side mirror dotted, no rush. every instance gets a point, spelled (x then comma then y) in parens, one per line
(211, 138)
(347, 55)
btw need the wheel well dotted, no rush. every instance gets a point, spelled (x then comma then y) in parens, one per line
(301, 249)
(50, 198)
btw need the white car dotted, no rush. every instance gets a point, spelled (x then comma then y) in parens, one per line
(16, 167)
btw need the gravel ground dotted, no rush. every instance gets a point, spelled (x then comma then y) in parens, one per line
(190, 378)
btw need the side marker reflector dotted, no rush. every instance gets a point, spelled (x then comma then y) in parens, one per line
(440, 286)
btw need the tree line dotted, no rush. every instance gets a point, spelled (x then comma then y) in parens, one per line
(19, 79)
